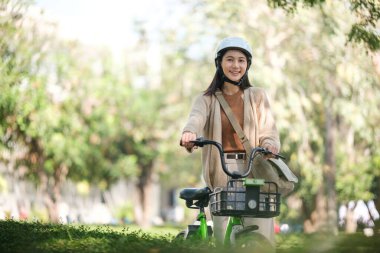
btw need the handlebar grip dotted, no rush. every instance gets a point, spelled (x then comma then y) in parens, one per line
(280, 156)
(200, 142)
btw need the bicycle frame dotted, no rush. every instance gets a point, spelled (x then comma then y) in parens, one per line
(232, 221)
(202, 231)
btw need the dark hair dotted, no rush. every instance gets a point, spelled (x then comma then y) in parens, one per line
(217, 83)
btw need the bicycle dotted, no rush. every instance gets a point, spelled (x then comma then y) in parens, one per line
(242, 197)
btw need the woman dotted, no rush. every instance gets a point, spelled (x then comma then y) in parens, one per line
(251, 108)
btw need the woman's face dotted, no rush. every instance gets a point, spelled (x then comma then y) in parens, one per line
(234, 64)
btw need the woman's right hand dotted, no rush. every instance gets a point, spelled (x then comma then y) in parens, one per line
(186, 139)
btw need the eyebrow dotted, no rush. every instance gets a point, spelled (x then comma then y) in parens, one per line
(239, 57)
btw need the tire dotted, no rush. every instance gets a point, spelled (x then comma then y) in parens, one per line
(253, 242)
(180, 236)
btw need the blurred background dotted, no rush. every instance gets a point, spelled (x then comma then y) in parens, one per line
(94, 95)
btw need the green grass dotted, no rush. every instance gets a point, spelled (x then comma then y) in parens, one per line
(153, 231)
(327, 243)
(37, 237)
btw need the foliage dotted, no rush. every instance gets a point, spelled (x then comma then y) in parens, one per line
(52, 104)
(364, 30)
(61, 107)
(311, 74)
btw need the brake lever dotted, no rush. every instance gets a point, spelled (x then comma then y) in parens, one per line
(280, 156)
(267, 152)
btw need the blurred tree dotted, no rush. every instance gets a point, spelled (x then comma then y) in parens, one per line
(314, 78)
(60, 108)
(22, 95)
(86, 136)
(364, 30)
(153, 114)
(334, 78)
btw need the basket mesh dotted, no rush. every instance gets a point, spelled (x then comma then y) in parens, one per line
(249, 201)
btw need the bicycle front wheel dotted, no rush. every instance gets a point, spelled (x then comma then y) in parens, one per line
(181, 235)
(253, 242)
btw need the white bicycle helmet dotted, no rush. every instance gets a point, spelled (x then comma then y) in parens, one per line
(233, 43)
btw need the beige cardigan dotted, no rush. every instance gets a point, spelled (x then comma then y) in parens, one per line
(205, 120)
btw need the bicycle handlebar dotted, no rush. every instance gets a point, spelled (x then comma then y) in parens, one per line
(200, 142)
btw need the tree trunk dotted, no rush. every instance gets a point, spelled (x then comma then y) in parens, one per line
(59, 178)
(145, 188)
(351, 224)
(324, 217)
(37, 160)
(48, 199)
(51, 192)
(316, 221)
(329, 173)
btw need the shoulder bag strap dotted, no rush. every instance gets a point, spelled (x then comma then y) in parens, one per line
(279, 164)
(231, 117)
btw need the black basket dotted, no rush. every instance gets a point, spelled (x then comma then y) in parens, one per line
(249, 201)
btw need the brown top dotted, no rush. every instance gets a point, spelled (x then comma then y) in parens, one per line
(230, 139)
